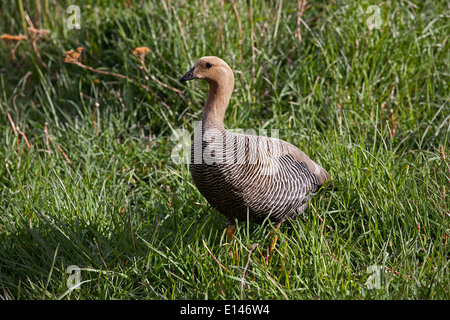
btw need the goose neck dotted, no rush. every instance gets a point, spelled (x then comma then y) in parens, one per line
(216, 103)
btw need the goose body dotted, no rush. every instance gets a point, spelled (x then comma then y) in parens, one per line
(246, 176)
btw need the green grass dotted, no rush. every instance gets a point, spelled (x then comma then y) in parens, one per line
(97, 188)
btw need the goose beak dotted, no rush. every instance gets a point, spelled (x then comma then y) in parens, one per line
(189, 75)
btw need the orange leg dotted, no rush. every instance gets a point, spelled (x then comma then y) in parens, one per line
(275, 238)
(274, 243)
(230, 232)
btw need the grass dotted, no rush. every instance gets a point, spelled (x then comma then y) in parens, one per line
(86, 176)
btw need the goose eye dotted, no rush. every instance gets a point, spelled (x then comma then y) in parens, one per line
(208, 65)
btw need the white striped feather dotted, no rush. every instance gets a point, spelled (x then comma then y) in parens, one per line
(245, 173)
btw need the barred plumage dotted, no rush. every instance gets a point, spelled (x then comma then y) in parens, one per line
(243, 175)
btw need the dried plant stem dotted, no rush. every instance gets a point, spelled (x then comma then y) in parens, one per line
(17, 131)
(275, 33)
(165, 85)
(33, 44)
(25, 138)
(47, 138)
(215, 259)
(252, 248)
(144, 68)
(443, 156)
(252, 40)
(276, 285)
(118, 75)
(35, 35)
(14, 128)
(240, 29)
(301, 6)
(320, 218)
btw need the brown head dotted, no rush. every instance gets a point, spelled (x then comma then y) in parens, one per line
(212, 69)
(221, 82)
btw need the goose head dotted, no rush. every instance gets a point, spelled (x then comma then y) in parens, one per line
(220, 78)
(212, 69)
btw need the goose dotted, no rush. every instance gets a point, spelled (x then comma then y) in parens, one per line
(243, 176)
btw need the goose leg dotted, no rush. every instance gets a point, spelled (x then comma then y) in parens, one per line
(230, 232)
(273, 243)
(275, 237)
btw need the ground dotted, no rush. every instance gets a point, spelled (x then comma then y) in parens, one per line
(94, 207)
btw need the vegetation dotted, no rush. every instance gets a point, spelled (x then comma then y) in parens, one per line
(86, 171)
